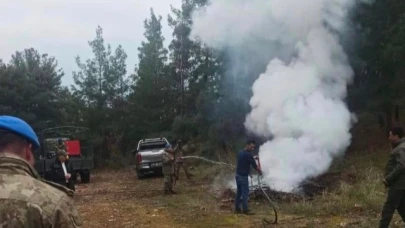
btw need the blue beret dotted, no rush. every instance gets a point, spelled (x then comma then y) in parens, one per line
(19, 127)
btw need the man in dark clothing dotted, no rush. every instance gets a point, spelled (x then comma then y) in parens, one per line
(244, 161)
(61, 171)
(395, 178)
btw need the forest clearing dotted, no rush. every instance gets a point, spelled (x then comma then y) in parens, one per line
(115, 198)
(317, 85)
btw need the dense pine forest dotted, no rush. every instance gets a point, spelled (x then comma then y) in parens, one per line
(187, 90)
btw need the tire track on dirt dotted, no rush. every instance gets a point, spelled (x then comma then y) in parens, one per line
(100, 207)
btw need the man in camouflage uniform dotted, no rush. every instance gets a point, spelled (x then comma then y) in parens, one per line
(25, 199)
(395, 179)
(179, 153)
(168, 169)
(61, 148)
(60, 145)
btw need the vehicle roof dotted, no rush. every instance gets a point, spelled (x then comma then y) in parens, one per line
(153, 140)
(55, 139)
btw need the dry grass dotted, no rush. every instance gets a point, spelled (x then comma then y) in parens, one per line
(363, 196)
(354, 201)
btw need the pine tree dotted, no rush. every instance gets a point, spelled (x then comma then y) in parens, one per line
(151, 100)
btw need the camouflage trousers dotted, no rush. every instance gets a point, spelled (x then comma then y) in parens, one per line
(177, 170)
(168, 183)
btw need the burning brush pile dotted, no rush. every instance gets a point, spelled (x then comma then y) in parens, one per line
(298, 101)
(307, 191)
(227, 196)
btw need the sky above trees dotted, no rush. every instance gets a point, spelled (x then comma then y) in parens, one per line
(63, 28)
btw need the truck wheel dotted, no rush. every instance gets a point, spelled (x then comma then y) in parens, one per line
(85, 176)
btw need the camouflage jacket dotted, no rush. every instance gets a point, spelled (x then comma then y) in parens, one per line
(28, 201)
(168, 163)
(178, 153)
(60, 147)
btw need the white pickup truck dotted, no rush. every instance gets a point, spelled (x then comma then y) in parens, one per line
(149, 155)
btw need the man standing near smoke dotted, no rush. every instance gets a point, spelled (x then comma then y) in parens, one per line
(244, 161)
(179, 153)
(395, 178)
(168, 168)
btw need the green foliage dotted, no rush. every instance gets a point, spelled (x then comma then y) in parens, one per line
(188, 91)
(150, 103)
(101, 90)
(185, 128)
(378, 85)
(30, 88)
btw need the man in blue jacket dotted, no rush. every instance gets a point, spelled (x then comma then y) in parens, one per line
(244, 161)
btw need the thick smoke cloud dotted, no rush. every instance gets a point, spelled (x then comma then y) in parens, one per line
(298, 100)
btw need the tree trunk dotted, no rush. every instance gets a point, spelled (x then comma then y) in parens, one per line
(389, 113)
(397, 113)
(381, 120)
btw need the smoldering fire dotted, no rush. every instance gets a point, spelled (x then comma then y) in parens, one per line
(298, 100)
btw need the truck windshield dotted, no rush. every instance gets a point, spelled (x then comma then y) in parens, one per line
(152, 146)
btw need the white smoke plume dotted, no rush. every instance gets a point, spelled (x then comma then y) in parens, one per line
(297, 101)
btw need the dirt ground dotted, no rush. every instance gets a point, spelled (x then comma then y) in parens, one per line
(118, 199)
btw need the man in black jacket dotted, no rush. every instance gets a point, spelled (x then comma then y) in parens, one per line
(394, 178)
(61, 171)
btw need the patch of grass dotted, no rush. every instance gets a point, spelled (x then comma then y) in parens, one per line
(199, 207)
(366, 195)
(210, 171)
(355, 200)
(362, 194)
(370, 158)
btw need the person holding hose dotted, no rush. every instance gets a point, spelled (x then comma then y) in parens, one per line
(168, 169)
(244, 161)
(179, 163)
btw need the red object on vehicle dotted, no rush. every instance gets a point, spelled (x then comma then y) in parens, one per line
(139, 158)
(73, 147)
